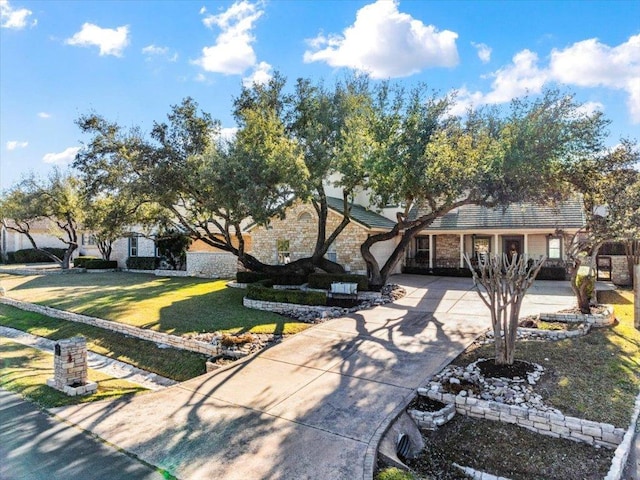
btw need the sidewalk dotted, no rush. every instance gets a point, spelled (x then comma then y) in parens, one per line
(34, 446)
(313, 406)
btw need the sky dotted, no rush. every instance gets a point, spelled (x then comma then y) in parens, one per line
(130, 60)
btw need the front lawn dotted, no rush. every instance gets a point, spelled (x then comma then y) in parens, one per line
(179, 365)
(25, 370)
(168, 304)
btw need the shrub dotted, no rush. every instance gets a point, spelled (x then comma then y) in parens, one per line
(31, 255)
(250, 277)
(81, 261)
(233, 340)
(324, 280)
(143, 263)
(393, 473)
(100, 264)
(439, 271)
(591, 283)
(552, 273)
(260, 292)
(289, 279)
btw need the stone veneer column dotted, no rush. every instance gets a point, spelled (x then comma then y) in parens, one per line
(70, 367)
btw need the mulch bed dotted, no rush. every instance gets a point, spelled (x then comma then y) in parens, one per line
(520, 368)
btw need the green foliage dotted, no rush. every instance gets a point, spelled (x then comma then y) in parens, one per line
(31, 255)
(250, 277)
(288, 279)
(257, 292)
(394, 473)
(80, 262)
(324, 280)
(100, 264)
(590, 281)
(552, 273)
(439, 271)
(143, 263)
(172, 247)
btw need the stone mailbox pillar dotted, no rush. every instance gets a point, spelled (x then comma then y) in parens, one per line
(70, 367)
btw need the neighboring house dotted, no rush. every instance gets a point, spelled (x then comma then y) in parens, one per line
(132, 245)
(520, 228)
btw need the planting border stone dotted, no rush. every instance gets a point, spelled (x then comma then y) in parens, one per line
(433, 420)
(144, 334)
(545, 423)
(595, 319)
(622, 452)
(541, 334)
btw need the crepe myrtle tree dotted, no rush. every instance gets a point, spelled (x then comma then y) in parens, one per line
(501, 282)
(55, 201)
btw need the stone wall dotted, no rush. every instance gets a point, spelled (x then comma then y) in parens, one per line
(300, 228)
(447, 251)
(620, 270)
(212, 264)
(144, 334)
(545, 423)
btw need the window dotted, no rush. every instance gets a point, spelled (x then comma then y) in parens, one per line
(554, 248)
(481, 246)
(284, 256)
(422, 249)
(133, 246)
(305, 217)
(88, 239)
(332, 255)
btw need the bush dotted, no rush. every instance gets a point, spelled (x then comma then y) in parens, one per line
(288, 279)
(250, 277)
(31, 255)
(100, 264)
(439, 271)
(393, 473)
(260, 292)
(591, 283)
(324, 280)
(81, 261)
(143, 263)
(552, 273)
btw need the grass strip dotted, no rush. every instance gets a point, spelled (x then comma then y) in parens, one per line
(167, 304)
(172, 363)
(25, 370)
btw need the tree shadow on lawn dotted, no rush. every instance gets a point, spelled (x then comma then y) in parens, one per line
(313, 405)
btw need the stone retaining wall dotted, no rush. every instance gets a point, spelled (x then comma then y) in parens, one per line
(433, 420)
(598, 319)
(622, 452)
(539, 333)
(544, 423)
(281, 307)
(144, 334)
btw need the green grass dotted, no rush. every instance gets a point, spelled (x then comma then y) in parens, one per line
(171, 305)
(25, 370)
(595, 377)
(172, 363)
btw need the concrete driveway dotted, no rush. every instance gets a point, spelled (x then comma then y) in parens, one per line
(314, 406)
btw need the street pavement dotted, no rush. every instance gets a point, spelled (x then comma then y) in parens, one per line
(314, 406)
(35, 446)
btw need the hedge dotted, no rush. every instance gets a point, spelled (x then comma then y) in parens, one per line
(100, 264)
(259, 292)
(439, 271)
(80, 262)
(143, 263)
(324, 280)
(552, 273)
(31, 255)
(250, 277)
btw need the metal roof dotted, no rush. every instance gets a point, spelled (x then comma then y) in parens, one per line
(361, 215)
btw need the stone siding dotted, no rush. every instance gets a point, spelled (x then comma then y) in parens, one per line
(212, 264)
(447, 251)
(144, 334)
(620, 270)
(545, 423)
(300, 228)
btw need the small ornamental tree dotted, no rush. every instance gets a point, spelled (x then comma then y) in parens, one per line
(172, 247)
(505, 280)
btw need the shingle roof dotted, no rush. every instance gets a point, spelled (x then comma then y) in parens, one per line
(567, 214)
(361, 215)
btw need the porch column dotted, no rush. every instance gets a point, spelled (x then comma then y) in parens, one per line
(495, 244)
(525, 247)
(430, 251)
(461, 250)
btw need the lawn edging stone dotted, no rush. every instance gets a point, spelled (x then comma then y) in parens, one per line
(545, 423)
(144, 334)
(595, 319)
(624, 449)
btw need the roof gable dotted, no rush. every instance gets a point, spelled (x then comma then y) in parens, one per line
(361, 215)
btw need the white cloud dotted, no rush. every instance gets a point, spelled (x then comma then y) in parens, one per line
(385, 43)
(14, 144)
(15, 18)
(162, 52)
(62, 158)
(484, 51)
(587, 64)
(261, 75)
(232, 53)
(591, 107)
(44, 115)
(110, 41)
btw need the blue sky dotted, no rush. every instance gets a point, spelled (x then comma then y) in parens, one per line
(130, 60)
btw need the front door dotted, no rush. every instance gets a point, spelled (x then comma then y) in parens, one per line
(513, 245)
